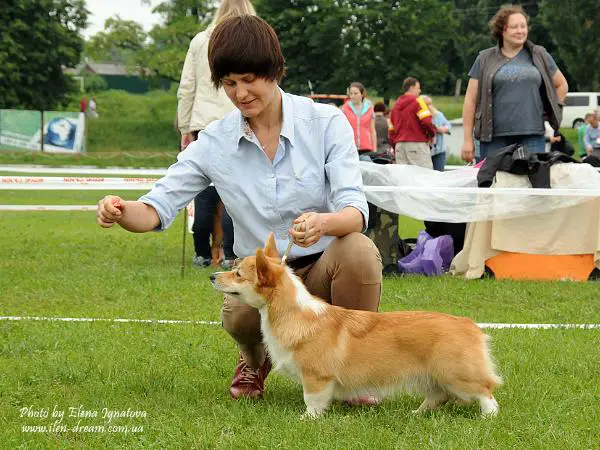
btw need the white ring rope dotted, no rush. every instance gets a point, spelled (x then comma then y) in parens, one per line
(93, 170)
(485, 325)
(75, 183)
(48, 207)
(87, 170)
(106, 183)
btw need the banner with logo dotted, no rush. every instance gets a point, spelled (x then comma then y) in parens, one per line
(63, 131)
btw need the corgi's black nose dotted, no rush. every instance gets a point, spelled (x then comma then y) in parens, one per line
(213, 277)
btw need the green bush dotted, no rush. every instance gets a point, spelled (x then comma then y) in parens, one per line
(131, 135)
(132, 123)
(94, 83)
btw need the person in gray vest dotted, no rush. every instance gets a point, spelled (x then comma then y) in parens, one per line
(513, 87)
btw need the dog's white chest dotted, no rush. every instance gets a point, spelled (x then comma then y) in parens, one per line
(281, 358)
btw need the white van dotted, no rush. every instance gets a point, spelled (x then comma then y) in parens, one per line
(577, 105)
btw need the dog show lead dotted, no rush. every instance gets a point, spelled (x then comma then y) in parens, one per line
(276, 159)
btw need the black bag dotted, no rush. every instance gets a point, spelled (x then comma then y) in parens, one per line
(563, 146)
(382, 158)
(592, 160)
(456, 230)
(405, 246)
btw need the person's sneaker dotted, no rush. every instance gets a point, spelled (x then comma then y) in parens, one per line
(248, 382)
(200, 261)
(227, 264)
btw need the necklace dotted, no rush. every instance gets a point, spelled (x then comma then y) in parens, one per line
(265, 147)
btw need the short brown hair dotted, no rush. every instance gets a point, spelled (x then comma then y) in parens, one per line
(380, 107)
(245, 44)
(500, 20)
(408, 83)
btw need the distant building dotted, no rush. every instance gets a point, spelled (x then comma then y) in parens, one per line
(117, 76)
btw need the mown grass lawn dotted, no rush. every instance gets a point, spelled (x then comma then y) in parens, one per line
(179, 375)
(64, 265)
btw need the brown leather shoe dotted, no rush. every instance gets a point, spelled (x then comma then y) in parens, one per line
(249, 382)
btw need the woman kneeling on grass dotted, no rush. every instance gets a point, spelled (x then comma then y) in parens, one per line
(277, 159)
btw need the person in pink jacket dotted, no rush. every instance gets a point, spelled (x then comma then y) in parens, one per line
(360, 114)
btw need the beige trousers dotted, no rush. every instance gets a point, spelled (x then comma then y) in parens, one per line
(413, 154)
(347, 274)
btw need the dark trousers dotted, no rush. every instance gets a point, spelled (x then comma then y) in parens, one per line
(227, 225)
(205, 207)
(439, 161)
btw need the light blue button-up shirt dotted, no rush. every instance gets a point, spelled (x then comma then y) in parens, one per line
(315, 169)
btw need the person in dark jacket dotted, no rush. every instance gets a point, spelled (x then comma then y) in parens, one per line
(513, 86)
(381, 127)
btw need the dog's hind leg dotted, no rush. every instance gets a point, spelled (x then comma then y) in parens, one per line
(318, 394)
(434, 398)
(489, 406)
(469, 391)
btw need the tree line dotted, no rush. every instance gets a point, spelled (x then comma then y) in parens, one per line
(327, 43)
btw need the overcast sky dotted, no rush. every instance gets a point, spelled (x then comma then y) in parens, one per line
(100, 10)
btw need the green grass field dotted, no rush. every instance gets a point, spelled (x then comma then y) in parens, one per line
(61, 264)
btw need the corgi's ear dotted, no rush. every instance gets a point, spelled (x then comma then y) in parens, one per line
(265, 271)
(271, 247)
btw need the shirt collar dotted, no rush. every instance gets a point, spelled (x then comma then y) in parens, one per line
(287, 127)
(364, 107)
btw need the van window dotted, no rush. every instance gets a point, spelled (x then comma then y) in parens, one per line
(577, 100)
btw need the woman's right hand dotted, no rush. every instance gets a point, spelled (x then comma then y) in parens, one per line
(467, 152)
(110, 210)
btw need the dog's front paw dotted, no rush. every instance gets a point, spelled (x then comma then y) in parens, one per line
(310, 415)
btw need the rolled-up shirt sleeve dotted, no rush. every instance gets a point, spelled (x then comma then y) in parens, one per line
(183, 181)
(342, 168)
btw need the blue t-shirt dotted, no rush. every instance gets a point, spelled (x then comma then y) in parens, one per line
(517, 106)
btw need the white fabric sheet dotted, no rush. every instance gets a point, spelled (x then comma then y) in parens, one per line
(440, 196)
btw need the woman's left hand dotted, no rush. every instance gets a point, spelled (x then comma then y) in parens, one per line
(308, 229)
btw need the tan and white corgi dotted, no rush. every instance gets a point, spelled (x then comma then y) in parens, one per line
(341, 354)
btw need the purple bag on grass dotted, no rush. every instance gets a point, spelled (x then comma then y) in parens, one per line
(437, 255)
(431, 256)
(411, 263)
